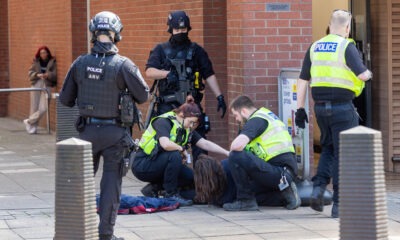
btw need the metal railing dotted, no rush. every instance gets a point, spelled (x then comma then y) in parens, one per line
(33, 89)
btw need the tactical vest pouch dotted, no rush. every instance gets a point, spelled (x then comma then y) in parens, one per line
(128, 109)
(80, 124)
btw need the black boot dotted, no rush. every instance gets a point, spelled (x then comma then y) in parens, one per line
(317, 198)
(291, 196)
(241, 205)
(182, 202)
(335, 210)
(150, 190)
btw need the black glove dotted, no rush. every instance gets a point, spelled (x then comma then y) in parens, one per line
(221, 105)
(301, 118)
(172, 79)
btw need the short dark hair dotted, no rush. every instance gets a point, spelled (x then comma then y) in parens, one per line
(240, 102)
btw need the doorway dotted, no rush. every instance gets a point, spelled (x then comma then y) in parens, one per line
(362, 36)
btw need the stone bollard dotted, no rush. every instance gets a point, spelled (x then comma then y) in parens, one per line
(75, 200)
(362, 188)
(66, 118)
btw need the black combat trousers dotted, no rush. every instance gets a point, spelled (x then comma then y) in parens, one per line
(247, 170)
(107, 141)
(166, 170)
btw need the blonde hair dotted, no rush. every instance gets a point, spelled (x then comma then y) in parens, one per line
(340, 19)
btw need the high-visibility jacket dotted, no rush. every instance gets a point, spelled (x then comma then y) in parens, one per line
(274, 140)
(328, 65)
(148, 142)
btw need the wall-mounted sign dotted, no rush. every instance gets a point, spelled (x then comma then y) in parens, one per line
(287, 108)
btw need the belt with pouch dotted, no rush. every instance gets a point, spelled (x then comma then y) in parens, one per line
(322, 102)
(101, 121)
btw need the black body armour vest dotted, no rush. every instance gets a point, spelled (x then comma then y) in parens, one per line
(185, 54)
(98, 92)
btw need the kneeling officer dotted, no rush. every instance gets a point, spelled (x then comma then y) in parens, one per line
(263, 153)
(163, 152)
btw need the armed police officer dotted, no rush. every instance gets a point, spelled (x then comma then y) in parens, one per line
(178, 68)
(262, 154)
(337, 75)
(96, 82)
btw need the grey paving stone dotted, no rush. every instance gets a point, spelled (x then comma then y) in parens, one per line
(164, 232)
(35, 232)
(25, 201)
(6, 234)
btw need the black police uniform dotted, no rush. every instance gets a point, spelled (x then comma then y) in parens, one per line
(197, 60)
(339, 115)
(247, 169)
(95, 81)
(167, 169)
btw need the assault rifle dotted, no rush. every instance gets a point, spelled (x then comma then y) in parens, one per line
(150, 110)
(184, 82)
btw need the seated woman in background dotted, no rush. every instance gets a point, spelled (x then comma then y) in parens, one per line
(42, 74)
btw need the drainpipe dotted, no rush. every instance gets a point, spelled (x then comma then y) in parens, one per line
(89, 35)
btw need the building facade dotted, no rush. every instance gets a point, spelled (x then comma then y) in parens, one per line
(249, 42)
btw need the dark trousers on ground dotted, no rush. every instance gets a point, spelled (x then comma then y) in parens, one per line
(247, 170)
(107, 141)
(332, 119)
(166, 170)
(263, 196)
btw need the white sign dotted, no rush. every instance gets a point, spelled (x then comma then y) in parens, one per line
(287, 110)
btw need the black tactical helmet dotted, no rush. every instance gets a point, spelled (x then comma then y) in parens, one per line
(106, 21)
(178, 19)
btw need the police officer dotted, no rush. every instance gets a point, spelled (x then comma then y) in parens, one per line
(261, 154)
(180, 67)
(95, 82)
(337, 75)
(162, 153)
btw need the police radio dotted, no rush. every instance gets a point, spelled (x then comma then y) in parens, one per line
(127, 109)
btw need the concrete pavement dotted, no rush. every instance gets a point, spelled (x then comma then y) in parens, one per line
(27, 181)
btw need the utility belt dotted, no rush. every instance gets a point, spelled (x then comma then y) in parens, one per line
(331, 103)
(101, 121)
(180, 97)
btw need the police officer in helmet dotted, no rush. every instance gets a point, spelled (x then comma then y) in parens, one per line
(95, 83)
(179, 67)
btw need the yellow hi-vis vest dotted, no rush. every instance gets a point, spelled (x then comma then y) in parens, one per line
(274, 140)
(148, 141)
(328, 65)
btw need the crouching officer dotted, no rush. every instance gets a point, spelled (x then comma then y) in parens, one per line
(262, 154)
(179, 66)
(95, 82)
(163, 152)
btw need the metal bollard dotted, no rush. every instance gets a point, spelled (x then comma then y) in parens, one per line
(66, 118)
(75, 196)
(362, 188)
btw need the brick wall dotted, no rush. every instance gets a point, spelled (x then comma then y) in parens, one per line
(247, 44)
(4, 66)
(35, 23)
(260, 44)
(145, 26)
(214, 31)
